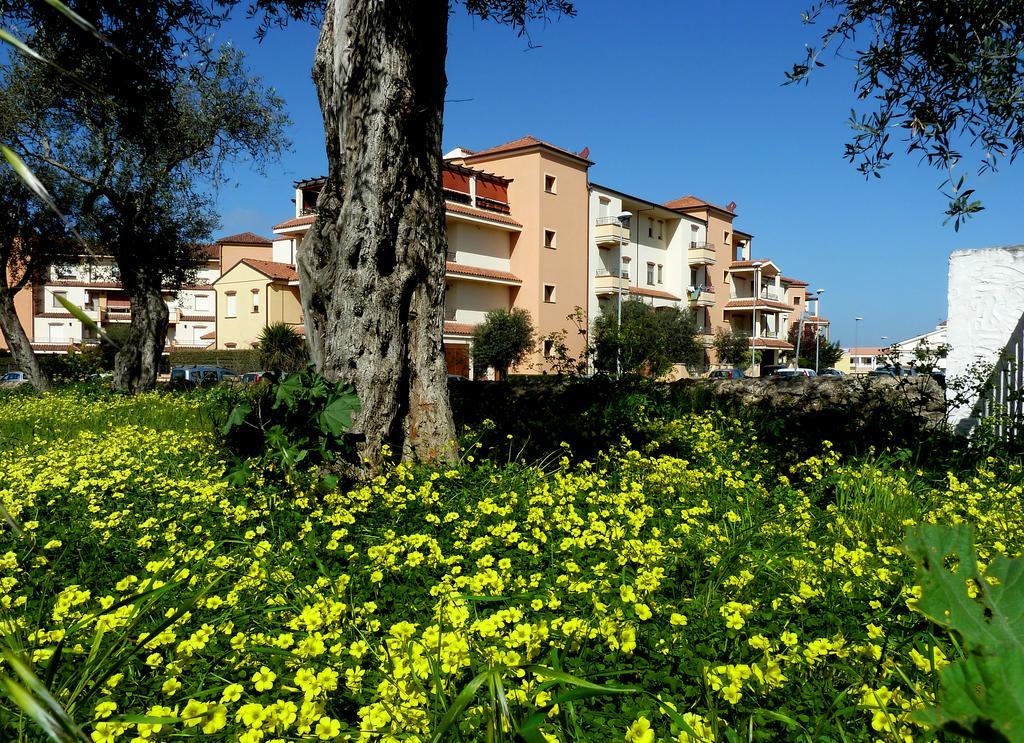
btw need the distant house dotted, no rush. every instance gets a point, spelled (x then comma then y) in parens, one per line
(905, 352)
(253, 294)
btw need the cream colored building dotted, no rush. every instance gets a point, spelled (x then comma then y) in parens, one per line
(251, 295)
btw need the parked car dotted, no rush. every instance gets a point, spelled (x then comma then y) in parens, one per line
(253, 377)
(768, 371)
(195, 376)
(832, 373)
(13, 379)
(894, 371)
(726, 374)
(789, 373)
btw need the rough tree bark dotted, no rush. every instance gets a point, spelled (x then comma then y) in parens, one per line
(372, 266)
(138, 360)
(18, 342)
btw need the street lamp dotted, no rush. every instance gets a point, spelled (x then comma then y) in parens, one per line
(623, 218)
(856, 335)
(753, 323)
(817, 335)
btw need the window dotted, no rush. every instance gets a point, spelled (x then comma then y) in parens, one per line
(202, 303)
(232, 305)
(604, 207)
(725, 237)
(549, 239)
(796, 300)
(661, 229)
(65, 272)
(56, 302)
(650, 274)
(660, 274)
(549, 293)
(650, 227)
(549, 183)
(549, 347)
(57, 332)
(255, 300)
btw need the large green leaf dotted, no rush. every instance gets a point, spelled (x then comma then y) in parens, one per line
(336, 417)
(982, 695)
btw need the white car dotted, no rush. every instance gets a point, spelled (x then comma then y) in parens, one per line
(13, 379)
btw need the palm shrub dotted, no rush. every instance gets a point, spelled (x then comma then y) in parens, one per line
(280, 348)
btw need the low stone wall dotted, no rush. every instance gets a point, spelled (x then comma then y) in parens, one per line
(862, 395)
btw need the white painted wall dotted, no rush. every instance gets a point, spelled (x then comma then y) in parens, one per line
(470, 301)
(479, 246)
(284, 250)
(986, 301)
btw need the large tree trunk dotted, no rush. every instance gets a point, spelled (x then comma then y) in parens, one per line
(138, 360)
(372, 267)
(18, 342)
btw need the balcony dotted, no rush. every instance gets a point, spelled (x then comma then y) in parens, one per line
(610, 282)
(609, 232)
(700, 254)
(775, 295)
(701, 296)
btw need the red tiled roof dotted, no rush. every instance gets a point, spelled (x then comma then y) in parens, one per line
(212, 335)
(212, 251)
(275, 271)
(487, 273)
(692, 202)
(816, 320)
(748, 303)
(304, 220)
(66, 315)
(480, 213)
(865, 351)
(521, 144)
(53, 346)
(245, 238)
(750, 263)
(92, 284)
(792, 282)
(198, 318)
(773, 343)
(653, 293)
(458, 328)
(119, 303)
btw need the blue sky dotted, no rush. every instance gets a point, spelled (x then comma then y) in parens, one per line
(674, 98)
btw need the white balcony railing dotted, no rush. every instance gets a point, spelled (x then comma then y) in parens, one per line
(623, 274)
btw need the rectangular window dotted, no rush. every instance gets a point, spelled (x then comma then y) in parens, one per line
(549, 239)
(56, 302)
(231, 310)
(725, 237)
(661, 229)
(549, 346)
(255, 300)
(549, 293)
(660, 274)
(650, 274)
(693, 277)
(604, 207)
(796, 300)
(549, 183)
(650, 227)
(202, 303)
(57, 332)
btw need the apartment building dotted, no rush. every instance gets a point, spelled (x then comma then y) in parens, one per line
(94, 286)
(252, 294)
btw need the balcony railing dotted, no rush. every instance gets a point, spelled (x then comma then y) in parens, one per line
(609, 231)
(611, 282)
(624, 273)
(702, 295)
(700, 253)
(480, 202)
(771, 293)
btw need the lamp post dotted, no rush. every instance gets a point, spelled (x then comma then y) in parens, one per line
(623, 218)
(817, 333)
(856, 335)
(753, 323)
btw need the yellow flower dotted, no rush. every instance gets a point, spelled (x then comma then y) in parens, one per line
(263, 679)
(640, 731)
(327, 728)
(171, 686)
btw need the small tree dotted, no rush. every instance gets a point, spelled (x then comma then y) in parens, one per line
(560, 358)
(503, 340)
(649, 340)
(733, 347)
(814, 346)
(281, 348)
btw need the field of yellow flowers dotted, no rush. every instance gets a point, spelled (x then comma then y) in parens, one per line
(693, 591)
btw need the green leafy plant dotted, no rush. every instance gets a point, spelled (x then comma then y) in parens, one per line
(648, 340)
(281, 348)
(301, 417)
(503, 340)
(982, 694)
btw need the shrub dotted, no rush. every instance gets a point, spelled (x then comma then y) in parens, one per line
(502, 340)
(733, 348)
(280, 348)
(648, 340)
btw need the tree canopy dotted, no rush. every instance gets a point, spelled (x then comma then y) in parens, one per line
(503, 340)
(949, 75)
(649, 340)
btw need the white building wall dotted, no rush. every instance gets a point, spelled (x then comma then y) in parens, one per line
(986, 301)
(478, 246)
(284, 250)
(470, 301)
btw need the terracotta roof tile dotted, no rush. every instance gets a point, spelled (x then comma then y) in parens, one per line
(458, 328)
(692, 202)
(748, 303)
(865, 351)
(773, 343)
(275, 271)
(487, 273)
(303, 221)
(198, 318)
(481, 213)
(653, 293)
(792, 282)
(212, 335)
(521, 144)
(245, 238)
(816, 320)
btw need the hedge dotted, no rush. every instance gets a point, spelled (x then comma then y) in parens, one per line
(239, 361)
